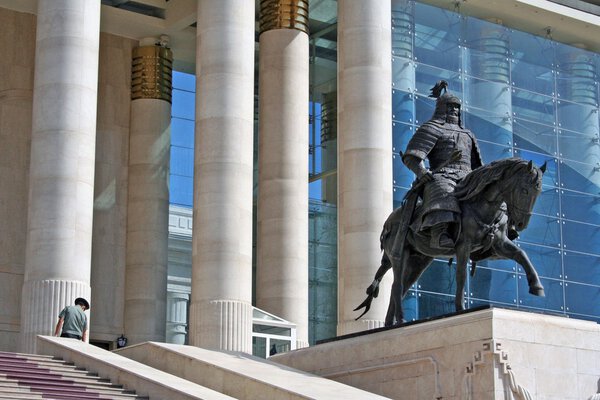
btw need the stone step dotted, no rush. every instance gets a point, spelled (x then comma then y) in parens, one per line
(83, 374)
(20, 396)
(52, 376)
(27, 376)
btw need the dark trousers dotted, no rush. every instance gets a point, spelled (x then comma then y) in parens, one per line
(70, 335)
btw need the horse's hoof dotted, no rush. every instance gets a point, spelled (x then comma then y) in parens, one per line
(537, 291)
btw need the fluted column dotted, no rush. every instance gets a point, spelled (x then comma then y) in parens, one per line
(221, 304)
(177, 305)
(61, 180)
(364, 154)
(148, 194)
(282, 242)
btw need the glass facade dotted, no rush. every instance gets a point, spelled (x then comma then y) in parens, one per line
(525, 96)
(181, 176)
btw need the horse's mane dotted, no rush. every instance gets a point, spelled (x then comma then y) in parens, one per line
(480, 178)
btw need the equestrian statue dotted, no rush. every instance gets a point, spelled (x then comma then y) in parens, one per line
(457, 208)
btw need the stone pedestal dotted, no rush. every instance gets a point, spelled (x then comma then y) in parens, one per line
(487, 354)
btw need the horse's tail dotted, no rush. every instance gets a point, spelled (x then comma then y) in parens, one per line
(373, 289)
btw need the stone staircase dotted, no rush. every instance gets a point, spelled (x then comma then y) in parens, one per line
(25, 376)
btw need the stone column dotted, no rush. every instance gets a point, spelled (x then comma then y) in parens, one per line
(148, 194)
(282, 242)
(61, 180)
(177, 305)
(364, 154)
(221, 304)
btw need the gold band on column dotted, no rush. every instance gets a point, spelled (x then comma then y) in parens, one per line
(151, 73)
(284, 14)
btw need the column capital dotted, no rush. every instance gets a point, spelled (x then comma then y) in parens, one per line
(283, 14)
(151, 73)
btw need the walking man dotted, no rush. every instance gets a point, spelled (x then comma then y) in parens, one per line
(73, 321)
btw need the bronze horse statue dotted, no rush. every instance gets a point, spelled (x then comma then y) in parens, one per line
(496, 200)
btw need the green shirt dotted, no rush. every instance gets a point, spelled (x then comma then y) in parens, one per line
(75, 320)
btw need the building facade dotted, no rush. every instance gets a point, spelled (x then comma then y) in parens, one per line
(280, 146)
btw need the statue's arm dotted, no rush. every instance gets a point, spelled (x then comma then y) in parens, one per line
(416, 165)
(418, 148)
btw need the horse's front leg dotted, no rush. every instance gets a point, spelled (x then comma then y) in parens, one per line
(507, 249)
(463, 251)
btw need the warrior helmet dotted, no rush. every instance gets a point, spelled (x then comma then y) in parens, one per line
(443, 100)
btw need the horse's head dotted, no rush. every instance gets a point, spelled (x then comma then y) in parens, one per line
(524, 186)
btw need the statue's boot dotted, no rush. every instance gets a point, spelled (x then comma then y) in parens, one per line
(440, 237)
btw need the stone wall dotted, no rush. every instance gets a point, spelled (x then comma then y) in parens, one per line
(17, 43)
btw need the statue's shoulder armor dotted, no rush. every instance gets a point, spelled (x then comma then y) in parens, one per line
(424, 140)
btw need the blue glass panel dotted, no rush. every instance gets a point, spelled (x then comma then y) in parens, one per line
(582, 299)
(402, 106)
(491, 151)
(580, 147)
(546, 260)
(315, 190)
(488, 53)
(581, 207)
(501, 264)
(402, 28)
(183, 104)
(182, 161)
(494, 285)
(424, 107)
(493, 97)
(409, 306)
(399, 194)
(487, 126)
(426, 77)
(577, 75)
(582, 268)
(547, 202)
(432, 305)
(315, 159)
(578, 117)
(581, 237)
(554, 299)
(181, 190)
(403, 74)
(439, 278)
(535, 137)
(551, 174)
(184, 81)
(402, 176)
(182, 132)
(401, 134)
(533, 107)
(532, 63)
(532, 77)
(437, 37)
(542, 230)
(580, 177)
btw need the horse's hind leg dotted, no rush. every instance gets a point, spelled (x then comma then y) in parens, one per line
(411, 267)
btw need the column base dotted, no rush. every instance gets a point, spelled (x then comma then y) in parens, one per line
(221, 325)
(346, 327)
(42, 301)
